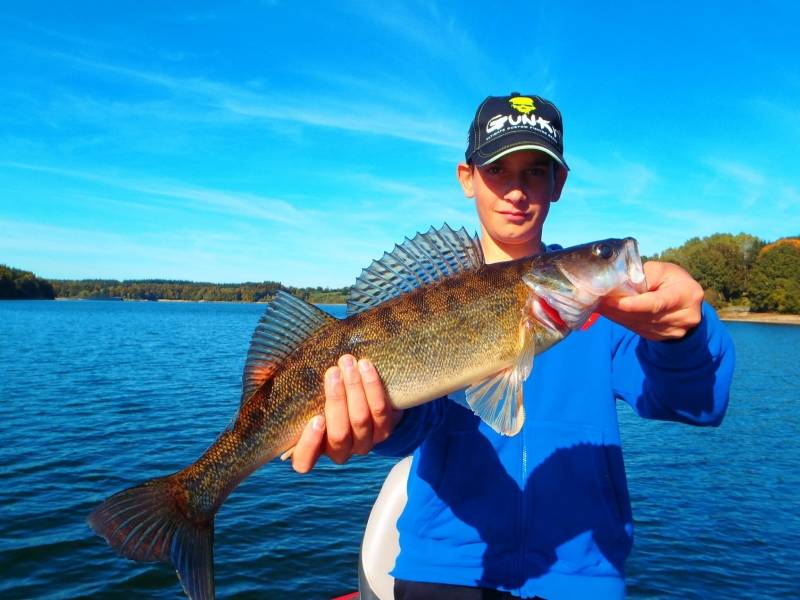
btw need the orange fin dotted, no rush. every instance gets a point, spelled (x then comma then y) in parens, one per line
(145, 523)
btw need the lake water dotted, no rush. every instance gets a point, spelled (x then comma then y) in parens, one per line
(97, 396)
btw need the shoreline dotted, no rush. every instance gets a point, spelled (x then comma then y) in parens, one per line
(724, 314)
(768, 318)
(115, 299)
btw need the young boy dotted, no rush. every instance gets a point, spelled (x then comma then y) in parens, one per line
(544, 513)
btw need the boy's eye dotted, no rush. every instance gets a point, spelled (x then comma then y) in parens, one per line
(494, 170)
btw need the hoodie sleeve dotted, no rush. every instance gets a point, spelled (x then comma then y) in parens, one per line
(413, 428)
(686, 380)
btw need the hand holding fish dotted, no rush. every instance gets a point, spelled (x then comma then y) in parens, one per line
(668, 310)
(357, 416)
(433, 318)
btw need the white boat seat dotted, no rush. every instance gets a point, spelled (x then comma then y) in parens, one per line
(381, 543)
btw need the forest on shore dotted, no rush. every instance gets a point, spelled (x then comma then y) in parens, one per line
(743, 271)
(16, 284)
(160, 289)
(739, 271)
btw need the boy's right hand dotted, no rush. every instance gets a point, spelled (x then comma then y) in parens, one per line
(357, 416)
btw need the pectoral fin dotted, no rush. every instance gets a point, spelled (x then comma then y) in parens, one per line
(499, 400)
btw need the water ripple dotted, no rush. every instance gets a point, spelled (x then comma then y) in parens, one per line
(97, 396)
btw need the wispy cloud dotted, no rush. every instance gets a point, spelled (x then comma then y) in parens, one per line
(626, 181)
(740, 172)
(786, 115)
(426, 28)
(268, 239)
(72, 251)
(53, 34)
(230, 203)
(750, 187)
(360, 114)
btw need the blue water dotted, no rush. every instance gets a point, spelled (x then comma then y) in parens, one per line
(96, 396)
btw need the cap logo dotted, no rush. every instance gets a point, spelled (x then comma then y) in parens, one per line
(512, 123)
(498, 122)
(522, 104)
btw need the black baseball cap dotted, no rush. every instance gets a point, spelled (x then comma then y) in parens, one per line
(505, 124)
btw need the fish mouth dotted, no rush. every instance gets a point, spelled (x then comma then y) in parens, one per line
(637, 282)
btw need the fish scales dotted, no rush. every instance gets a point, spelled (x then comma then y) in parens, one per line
(477, 329)
(435, 349)
(412, 341)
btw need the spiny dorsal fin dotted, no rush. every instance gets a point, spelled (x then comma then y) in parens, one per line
(287, 322)
(425, 258)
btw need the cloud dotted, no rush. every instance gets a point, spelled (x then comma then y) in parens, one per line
(398, 207)
(426, 29)
(750, 187)
(783, 115)
(239, 204)
(740, 172)
(157, 229)
(365, 113)
(626, 181)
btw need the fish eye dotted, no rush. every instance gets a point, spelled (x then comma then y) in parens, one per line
(603, 250)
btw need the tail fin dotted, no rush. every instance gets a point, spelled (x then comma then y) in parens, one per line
(147, 523)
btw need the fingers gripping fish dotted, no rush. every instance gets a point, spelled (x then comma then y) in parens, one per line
(431, 316)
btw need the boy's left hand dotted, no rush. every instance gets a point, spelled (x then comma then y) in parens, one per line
(667, 311)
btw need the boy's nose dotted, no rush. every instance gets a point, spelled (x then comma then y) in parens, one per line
(515, 195)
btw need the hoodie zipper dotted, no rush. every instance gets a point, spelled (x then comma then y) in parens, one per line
(524, 508)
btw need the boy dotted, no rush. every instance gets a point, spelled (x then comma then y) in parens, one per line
(544, 513)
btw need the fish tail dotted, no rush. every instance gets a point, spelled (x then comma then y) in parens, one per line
(151, 522)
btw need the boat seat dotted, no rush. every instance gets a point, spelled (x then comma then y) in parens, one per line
(381, 543)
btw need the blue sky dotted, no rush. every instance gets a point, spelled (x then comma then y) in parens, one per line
(296, 141)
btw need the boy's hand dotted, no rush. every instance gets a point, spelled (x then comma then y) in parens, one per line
(357, 416)
(668, 310)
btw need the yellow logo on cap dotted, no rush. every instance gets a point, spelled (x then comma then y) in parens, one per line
(522, 104)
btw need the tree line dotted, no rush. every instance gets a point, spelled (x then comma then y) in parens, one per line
(162, 289)
(742, 270)
(739, 270)
(16, 284)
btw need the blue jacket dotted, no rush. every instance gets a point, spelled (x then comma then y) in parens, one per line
(547, 511)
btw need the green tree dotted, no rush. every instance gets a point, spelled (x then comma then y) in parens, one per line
(775, 282)
(23, 285)
(721, 263)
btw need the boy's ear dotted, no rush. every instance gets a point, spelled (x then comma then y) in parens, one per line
(464, 174)
(560, 178)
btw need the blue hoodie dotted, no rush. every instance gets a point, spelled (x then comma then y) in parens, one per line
(547, 512)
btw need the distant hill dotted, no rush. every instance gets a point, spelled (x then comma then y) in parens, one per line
(16, 284)
(740, 270)
(162, 289)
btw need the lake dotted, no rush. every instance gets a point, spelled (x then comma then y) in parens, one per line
(97, 396)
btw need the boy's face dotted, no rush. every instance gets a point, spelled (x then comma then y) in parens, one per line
(513, 196)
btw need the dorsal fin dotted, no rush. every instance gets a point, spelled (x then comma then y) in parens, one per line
(425, 258)
(287, 322)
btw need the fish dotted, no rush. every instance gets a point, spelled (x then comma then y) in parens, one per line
(432, 316)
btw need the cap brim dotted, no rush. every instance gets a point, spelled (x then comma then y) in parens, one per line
(526, 146)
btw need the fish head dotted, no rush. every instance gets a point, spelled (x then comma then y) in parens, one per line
(604, 268)
(568, 284)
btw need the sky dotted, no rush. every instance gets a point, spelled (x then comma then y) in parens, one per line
(297, 141)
